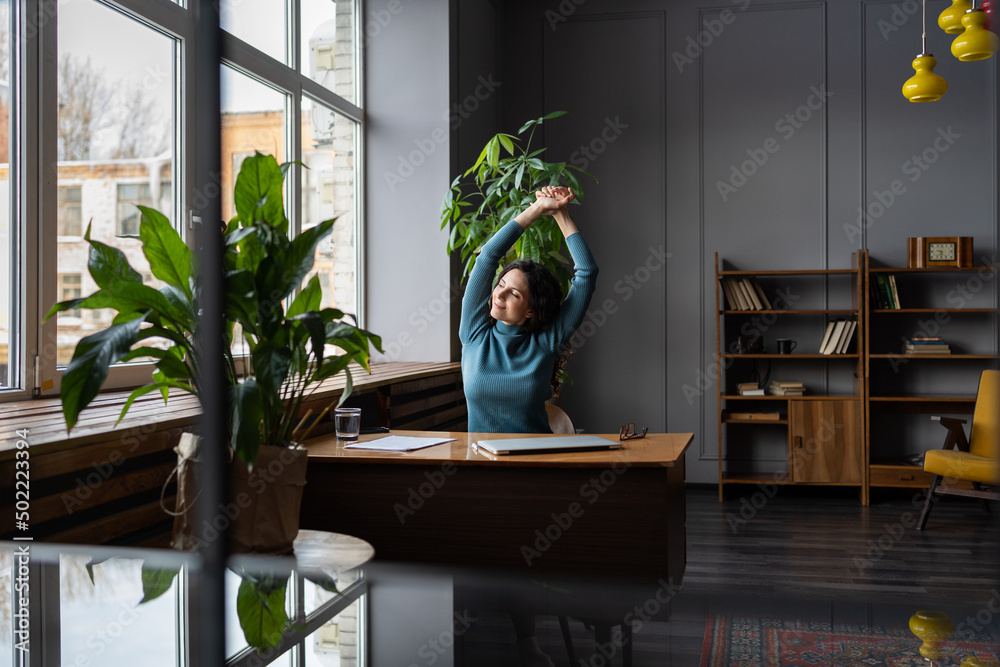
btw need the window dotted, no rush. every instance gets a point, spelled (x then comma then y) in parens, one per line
(131, 195)
(70, 287)
(70, 211)
(111, 133)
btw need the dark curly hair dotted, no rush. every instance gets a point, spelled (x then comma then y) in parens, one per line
(544, 293)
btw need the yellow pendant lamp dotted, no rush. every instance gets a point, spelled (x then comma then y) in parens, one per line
(925, 85)
(950, 19)
(976, 42)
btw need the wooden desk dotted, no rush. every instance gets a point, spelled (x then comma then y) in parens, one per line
(566, 512)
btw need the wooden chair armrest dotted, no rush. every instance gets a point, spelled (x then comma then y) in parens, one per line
(956, 434)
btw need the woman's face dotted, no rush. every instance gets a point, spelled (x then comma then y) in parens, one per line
(510, 302)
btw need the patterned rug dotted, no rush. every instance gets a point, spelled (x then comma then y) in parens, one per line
(751, 642)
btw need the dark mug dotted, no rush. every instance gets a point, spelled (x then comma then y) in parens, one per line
(785, 345)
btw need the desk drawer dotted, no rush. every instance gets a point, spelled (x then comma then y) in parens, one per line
(902, 476)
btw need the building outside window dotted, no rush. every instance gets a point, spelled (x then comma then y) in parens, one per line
(115, 139)
(70, 211)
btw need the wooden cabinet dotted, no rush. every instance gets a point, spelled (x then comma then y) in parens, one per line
(824, 439)
(903, 388)
(815, 438)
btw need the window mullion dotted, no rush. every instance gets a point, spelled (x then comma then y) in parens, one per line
(44, 196)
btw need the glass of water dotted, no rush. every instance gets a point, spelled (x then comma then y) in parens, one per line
(347, 423)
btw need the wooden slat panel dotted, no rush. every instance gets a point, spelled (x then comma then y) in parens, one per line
(434, 420)
(114, 527)
(130, 443)
(424, 384)
(398, 410)
(43, 418)
(76, 499)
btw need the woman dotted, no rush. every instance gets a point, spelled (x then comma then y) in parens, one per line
(511, 343)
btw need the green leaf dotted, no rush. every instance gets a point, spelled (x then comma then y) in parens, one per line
(245, 414)
(262, 615)
(270, 364)
(109, 265)
(282, 271)
(332, 366)
(161, 386)
(258, 192)
(308, 298)
(554, 114)
(156, 582)
(126, 297)
(169, 258)
(89, 367)
(507, 143)
(63, 306)
(493, 154)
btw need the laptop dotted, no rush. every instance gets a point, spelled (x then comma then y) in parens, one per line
(564, 443)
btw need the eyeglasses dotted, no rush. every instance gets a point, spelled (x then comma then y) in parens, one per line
(628, 432)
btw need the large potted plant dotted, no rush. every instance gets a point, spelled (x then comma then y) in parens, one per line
(290, 350)
(500, 188)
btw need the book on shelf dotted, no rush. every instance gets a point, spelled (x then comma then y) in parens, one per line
(895, 293)
(848, 335)
(747, 385)
(752, 294)
(925, 345)
(760, 293)
(883, 292)
(754, 416)
(878, 294)
(786, 388)
(744, 293)
(734, 294)
(834, 339)
(757, 391)
(826, 337)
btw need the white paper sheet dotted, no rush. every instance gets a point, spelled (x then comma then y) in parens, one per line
(398, 443)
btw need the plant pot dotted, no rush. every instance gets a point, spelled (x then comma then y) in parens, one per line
(262, 508)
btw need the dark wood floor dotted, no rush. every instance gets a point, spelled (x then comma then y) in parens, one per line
(806, 554)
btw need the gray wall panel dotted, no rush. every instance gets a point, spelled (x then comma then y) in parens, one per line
(615, 130)
(724, 92)
(407, 171)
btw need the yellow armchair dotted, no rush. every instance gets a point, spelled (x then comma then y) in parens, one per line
(976, 460)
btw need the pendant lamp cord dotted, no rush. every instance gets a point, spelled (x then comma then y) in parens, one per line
(923, 37)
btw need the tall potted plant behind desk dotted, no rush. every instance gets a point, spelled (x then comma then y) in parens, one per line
(501, 188)
(287, 359)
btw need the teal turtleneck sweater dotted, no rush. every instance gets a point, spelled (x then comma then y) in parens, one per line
(507, 373)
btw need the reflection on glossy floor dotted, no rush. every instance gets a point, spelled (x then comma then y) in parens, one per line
(816, 556)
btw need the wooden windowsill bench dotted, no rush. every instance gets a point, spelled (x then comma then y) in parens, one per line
(102, 482)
